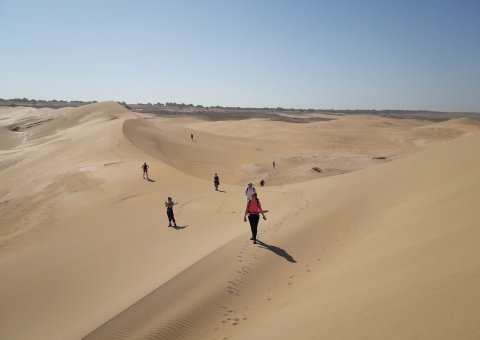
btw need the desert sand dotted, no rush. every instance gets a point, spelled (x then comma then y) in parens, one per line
(382, 243)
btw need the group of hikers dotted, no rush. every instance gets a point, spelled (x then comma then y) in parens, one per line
(253, 209)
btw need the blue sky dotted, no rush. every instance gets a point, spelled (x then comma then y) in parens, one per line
(303, 54)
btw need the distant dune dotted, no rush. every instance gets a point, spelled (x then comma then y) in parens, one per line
(381, 242)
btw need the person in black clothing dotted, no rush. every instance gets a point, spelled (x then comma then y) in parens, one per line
(216, 181)
(262, 182)
(145, 170)
(171, 218)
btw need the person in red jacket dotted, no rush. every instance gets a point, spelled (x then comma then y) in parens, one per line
(253, 210)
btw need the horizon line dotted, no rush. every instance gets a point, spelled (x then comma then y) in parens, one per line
(175, 104)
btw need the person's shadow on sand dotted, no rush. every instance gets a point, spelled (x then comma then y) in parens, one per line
(179, 227)
(279, 251)
(221, 191)
(150, 180)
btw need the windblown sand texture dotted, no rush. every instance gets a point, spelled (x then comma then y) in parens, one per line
(365, 249)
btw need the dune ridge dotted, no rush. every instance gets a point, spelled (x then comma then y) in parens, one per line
(386, 250)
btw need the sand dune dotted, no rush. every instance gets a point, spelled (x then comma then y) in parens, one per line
(339, 146)
(386, 250)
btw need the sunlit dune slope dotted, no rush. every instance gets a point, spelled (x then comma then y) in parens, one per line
(387, 252)
(392, 252)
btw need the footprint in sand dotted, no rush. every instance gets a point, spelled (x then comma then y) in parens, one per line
(233, 290)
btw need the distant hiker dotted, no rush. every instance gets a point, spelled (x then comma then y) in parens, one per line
(249, 191)
(171, 218)
(145, 170)
(262, 182)
(253, 210)
(216, 181)
(191, 136)
(273, 164)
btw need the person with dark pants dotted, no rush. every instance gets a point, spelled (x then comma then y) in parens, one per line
(145, 170)
(253, 210)
(253, 219)
(171, 217)
(216, 181)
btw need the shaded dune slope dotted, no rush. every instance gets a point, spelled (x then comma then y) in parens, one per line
(171, 144)
(243, 151)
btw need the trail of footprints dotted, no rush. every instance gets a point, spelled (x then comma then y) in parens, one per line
(248, 254)
(246, 257)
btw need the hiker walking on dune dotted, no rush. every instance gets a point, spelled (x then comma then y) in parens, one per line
(145, 170)
(249, 191)
(191, 136)
(216, 181)
(273, 164)
(171, 218)
(253, 210)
